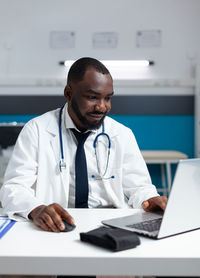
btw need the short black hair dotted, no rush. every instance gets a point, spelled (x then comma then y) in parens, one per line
(79, 67)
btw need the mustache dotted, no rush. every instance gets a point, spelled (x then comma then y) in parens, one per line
(97, 113)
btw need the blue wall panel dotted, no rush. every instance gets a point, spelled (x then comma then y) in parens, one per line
(152, 132)
(16, 118)
(170, 132)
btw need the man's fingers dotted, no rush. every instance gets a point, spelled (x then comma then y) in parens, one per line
(41, 224)
(50, 222)
(64, 214)
(44, 222)
(68, 217)
(155, 203)
(56, 212)
(162, 202)
(49, 218)
(145, 205)
(52, 218)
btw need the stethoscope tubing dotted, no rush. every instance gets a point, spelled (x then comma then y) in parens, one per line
(60, 133)
(62, 164)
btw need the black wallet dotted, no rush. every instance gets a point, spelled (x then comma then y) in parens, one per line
(114, 239)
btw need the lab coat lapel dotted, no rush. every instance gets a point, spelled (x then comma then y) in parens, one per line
(53, 131)
(64, 174)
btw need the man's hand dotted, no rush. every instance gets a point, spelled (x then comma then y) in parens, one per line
(155, 203)
(49, 218)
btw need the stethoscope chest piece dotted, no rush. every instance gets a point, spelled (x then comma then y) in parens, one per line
(62, 165)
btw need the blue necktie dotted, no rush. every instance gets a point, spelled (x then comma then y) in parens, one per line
(81, 180)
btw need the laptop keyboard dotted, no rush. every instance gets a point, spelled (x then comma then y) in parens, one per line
(149, 225)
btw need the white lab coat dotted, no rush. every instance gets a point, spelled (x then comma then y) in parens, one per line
(33, 177)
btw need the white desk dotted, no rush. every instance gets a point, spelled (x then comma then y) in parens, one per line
(28, 250)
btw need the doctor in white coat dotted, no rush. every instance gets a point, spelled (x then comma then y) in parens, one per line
(39, 183)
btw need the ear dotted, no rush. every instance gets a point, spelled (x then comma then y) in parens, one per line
(68, 93)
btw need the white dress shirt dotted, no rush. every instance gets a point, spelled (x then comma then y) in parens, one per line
(97, 196)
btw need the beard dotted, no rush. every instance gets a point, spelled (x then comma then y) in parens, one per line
(87, 124)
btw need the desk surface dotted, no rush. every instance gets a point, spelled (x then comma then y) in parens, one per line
(27, 250)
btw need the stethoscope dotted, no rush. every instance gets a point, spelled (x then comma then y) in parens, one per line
(101, 175)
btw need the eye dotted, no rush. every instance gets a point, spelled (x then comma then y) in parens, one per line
(91, 97)
(108, 98)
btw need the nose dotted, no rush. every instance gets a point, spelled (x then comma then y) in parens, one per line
(101, 106)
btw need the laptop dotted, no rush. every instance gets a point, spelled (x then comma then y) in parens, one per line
(182, 211)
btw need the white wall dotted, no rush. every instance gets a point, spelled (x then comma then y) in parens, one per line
(25, 26)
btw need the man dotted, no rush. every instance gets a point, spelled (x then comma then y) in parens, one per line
(42, 178)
